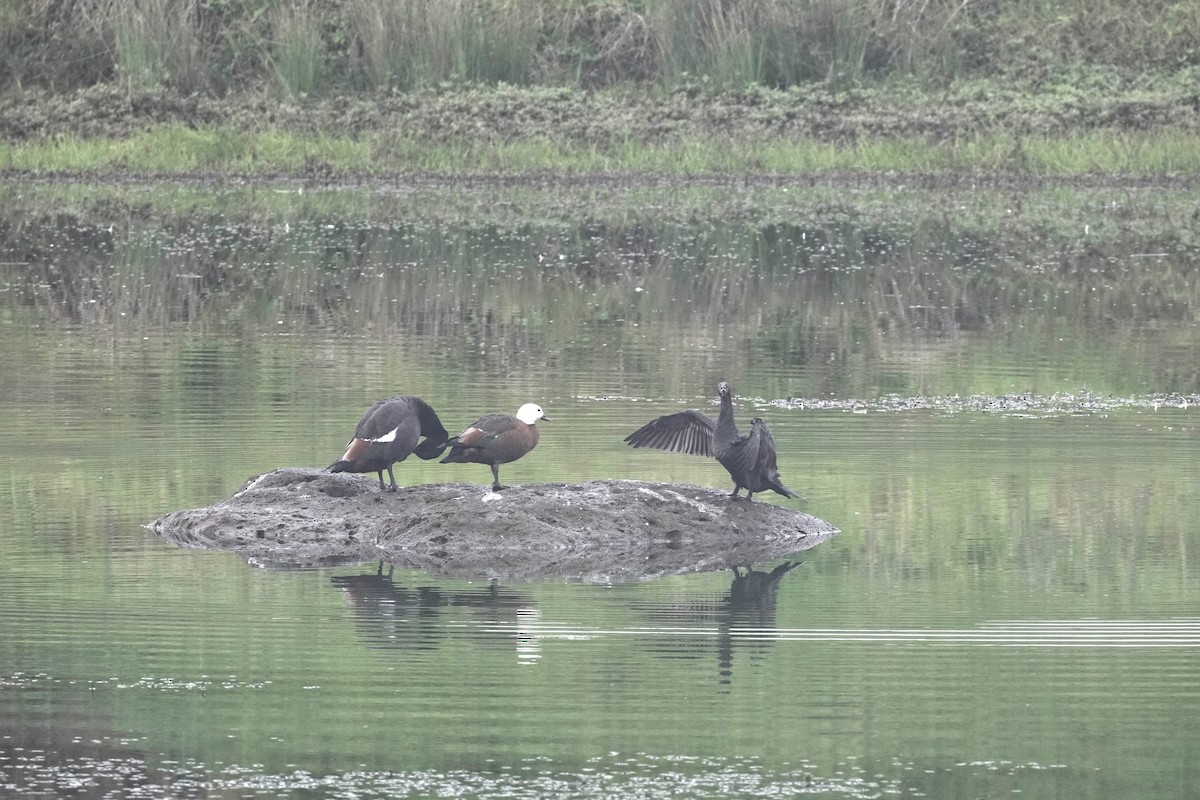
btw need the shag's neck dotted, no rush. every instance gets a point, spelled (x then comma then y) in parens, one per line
(726, 429)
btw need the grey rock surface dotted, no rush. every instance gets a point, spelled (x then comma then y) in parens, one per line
(597, 531)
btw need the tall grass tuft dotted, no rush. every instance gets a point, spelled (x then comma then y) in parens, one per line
(490, 41)
(298, 51)
(764, 42)
(417, 43)
(379, 32)
(706, 40)
(156, 42)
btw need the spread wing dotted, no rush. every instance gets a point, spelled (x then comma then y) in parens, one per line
(764, 459)
(683, 432)
(767, 469)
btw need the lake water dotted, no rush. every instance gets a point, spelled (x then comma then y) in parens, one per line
(991, 393)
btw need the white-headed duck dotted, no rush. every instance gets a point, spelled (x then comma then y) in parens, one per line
(497, 439)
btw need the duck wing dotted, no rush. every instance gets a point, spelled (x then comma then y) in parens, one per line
(388, 414)
(484, 430)
(381, 419)
(683, 432)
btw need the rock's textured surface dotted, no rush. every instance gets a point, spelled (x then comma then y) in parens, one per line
(596, 531)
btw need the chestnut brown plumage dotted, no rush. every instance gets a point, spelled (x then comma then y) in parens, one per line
(497, 439)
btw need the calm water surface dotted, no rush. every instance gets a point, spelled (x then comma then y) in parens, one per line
(993, 395)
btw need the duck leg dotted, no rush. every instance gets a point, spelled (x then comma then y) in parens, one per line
(496, 478)
(394, 487)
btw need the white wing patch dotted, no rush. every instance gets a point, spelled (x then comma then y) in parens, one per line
(390, 436)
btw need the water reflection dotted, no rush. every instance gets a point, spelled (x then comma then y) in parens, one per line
(411, 618)
(424, 616)
(862, 299)
(611, 563)
(738, 621)
(753, 596)
(997, 407)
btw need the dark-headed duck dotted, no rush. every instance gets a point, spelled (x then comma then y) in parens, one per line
(749, 457)
(497, 439)
(388, 433)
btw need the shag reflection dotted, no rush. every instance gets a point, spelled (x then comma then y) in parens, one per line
(735, 625)
(744, 618)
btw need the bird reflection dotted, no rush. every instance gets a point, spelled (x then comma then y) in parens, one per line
(752, 599)
(752, 594)
(744, 618)
(412, 619)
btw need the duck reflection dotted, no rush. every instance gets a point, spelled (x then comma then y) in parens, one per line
(735, 624)
(419, 618)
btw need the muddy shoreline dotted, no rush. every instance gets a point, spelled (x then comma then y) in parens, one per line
(598, 531)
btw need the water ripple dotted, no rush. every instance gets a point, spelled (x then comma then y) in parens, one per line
(44, 773)
(1048, 633)
(1057, 404)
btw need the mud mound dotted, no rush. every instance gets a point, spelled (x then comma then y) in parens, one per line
(609, 530)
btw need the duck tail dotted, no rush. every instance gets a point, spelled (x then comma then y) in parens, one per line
(340, 466)
(455, 456)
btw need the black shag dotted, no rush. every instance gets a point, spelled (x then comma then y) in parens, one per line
(749, 457)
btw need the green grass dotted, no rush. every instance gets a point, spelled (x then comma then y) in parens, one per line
(181, 150)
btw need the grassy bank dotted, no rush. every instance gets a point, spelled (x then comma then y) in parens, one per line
(681, 87)
(180, 151)
(974, 128)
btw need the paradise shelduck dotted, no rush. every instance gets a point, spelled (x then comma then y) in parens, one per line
(497, 439)
(749, 457)
(388, 433)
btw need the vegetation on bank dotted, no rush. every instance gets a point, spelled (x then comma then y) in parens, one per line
(309, 47)
(368, 87)
(106, 130)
